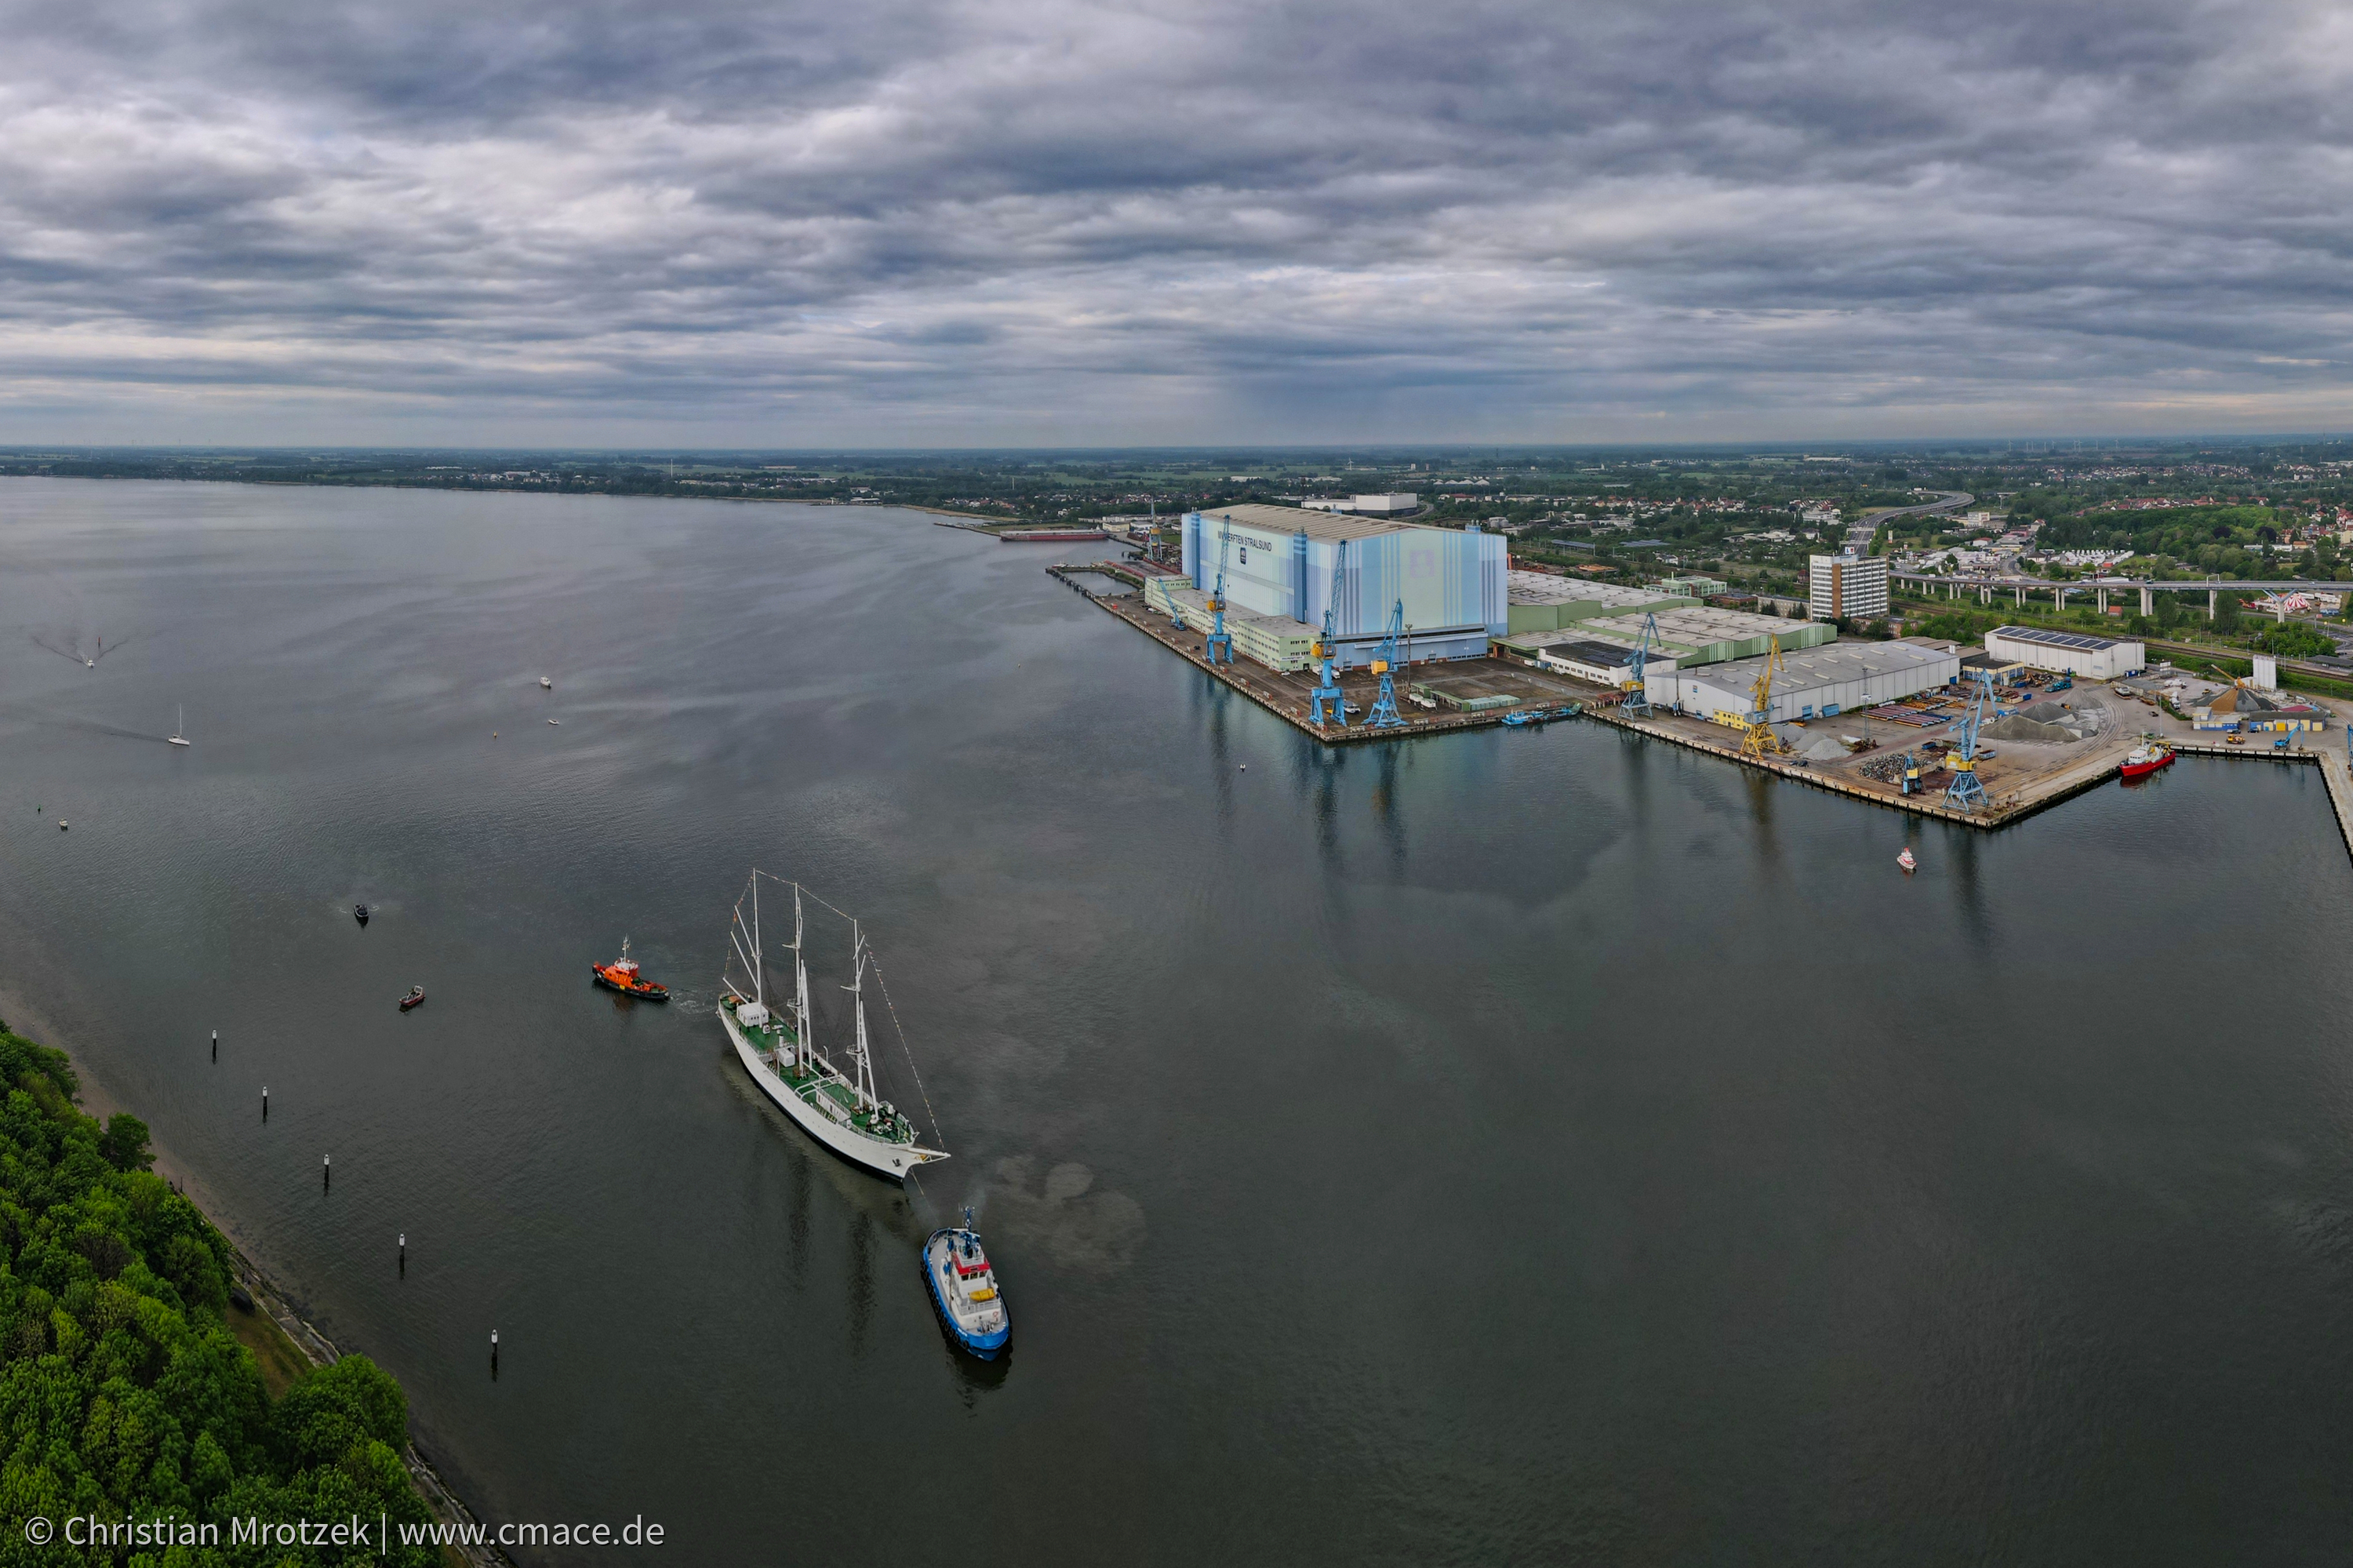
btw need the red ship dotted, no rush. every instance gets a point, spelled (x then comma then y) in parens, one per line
(2146, 760)
(622, 975)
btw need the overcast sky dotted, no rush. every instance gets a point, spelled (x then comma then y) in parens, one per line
(1033, 221)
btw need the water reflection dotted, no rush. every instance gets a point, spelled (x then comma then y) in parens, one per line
(796, 1222)
(1384, 805)
(859, 1279)
(1324, 765)
(1961, 849)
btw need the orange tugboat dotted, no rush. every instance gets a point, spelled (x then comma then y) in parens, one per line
(622, 975)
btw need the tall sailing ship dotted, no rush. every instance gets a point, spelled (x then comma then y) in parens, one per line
(776, 1045)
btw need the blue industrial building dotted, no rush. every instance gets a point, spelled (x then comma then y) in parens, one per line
(1279, 560)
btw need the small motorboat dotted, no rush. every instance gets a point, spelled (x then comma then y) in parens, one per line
(964, 1291)
(359, 913)
(61, 824)
(547, 683)
(1907, 861)
(416, 994)
(2146, 759)
(622, 975)
(555, 721)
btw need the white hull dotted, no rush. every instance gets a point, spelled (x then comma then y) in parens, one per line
(891, 1162)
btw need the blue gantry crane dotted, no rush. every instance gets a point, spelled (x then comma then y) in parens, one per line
(1968, 790)
(1638, 701)
(1221, 643)
(1384, 714)
(1328, 689)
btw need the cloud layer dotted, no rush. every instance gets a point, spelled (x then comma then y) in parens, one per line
(935, 221)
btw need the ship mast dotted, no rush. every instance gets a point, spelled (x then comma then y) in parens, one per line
(751, 960)
(862, 1061)
(801, 1048)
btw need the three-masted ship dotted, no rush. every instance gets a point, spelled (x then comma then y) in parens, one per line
(840, 1110)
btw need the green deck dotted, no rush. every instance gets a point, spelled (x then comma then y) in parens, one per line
(776, 1043)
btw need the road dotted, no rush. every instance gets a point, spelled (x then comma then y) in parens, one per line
(1858, 538)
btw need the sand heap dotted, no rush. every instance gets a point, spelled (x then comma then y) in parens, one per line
(2051, 723)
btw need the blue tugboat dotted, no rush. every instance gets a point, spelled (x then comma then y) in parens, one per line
(964, 1288)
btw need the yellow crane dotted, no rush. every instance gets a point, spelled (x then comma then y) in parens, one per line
(1760, 742)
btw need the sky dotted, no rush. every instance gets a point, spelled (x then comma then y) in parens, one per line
(1037, 222)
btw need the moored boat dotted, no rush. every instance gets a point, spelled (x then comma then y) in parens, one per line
(2146, 759)
(359, 913)
(622, 975)
(416, 994)
(965, 1289)
(840, 1110)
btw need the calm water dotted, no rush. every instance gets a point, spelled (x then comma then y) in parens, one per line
(1500, 1147)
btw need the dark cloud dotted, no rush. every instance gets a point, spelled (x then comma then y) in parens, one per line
(952, 222)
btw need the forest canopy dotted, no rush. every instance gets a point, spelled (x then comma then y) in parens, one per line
(124, 1393)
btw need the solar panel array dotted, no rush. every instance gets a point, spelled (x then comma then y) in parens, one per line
(2051, 639)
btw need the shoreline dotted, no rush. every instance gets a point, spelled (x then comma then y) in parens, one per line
(271, 1303)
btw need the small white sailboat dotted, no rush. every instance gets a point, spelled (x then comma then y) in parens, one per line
(176, 738)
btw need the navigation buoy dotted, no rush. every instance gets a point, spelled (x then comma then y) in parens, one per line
(494, 1355)
(216, 1044)
(404, 1254)
(326, 1171)
(265, 1102)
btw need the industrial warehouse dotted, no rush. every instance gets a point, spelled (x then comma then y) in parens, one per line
(2067, 652)
(1282, 569)
(1820, 682)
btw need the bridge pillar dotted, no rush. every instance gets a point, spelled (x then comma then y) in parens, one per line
(2102, 595)
(2021, 599)
(2148, 603)
(2059, 598)
(2213, 603)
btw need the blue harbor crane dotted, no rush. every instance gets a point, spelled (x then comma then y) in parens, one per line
(1966, 790)
(1637, 700)
(1384, 714)
(1221, 644)
(1329, 688)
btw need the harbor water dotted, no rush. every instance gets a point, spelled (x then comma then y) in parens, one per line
(1537, 1145)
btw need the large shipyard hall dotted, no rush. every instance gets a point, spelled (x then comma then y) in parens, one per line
(1284, 569)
